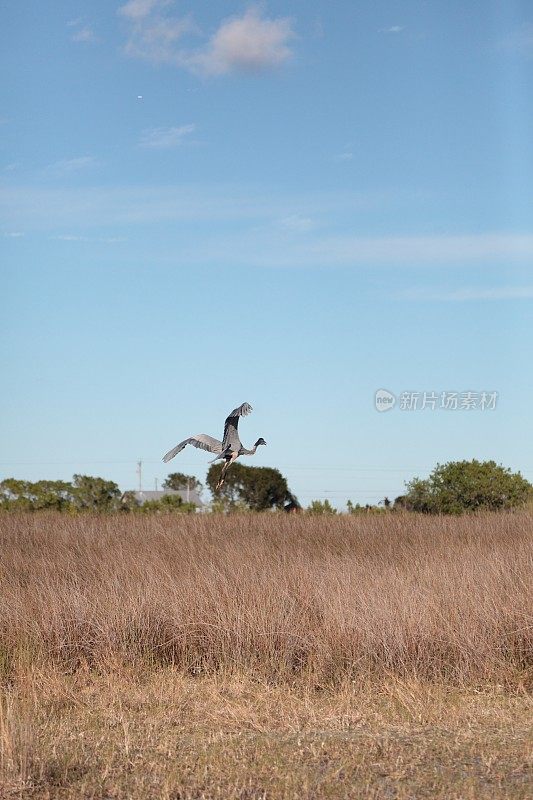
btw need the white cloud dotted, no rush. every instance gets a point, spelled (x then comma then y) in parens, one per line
(346, 156)
(157, 41)
(81, 31)
(297, 223)
(85, 34)
(13, 235)
(68, 165)
(246, 43)
(164, 138)
(468, 293)
(71, 237)
(139, 9)
(153, 35)
(393, 29)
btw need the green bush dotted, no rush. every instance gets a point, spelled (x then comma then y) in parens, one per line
(168, 504)
(321, 507)
(465, 486)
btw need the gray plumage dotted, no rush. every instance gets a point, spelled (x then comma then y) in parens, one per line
(201, 440)
(228, 449)
(231, 434)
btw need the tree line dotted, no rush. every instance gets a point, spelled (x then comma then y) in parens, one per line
(246, 488)
(82, 493)
(454, 488)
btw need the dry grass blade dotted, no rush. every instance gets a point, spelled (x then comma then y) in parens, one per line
(261, 656)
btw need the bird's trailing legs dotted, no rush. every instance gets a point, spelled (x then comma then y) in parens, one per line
(227, 465)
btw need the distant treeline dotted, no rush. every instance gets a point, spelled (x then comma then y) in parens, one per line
(457, 487)
(82, 493)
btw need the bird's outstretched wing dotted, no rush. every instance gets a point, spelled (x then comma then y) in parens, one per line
(201, 440)
(231, 434)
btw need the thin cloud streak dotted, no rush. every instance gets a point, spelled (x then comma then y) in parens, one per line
(295, 222)
(253, 215)
(45, 208)
(71, 237)
(345, 251)
(70, 165)
(166, 138)
(257, 249)
(48, 208)
(467, 293)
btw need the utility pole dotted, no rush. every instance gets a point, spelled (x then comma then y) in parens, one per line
(188, 489)
(156, 484)
(140, 474)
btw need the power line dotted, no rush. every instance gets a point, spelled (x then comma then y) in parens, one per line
(317, 467)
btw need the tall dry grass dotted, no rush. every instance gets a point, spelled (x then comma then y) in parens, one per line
(319, 600)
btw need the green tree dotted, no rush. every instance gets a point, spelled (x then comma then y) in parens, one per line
(16, 495)
(321, 507)
(19, 495)
(179, 481)
(253, 488)
(52, 495)
(464, 486)
(95, 494)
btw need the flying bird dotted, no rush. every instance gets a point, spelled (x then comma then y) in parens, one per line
(229, 449)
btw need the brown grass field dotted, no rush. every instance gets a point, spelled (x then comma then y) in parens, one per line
(266, 656)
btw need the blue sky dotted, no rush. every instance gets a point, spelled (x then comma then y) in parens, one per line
(292, 204)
